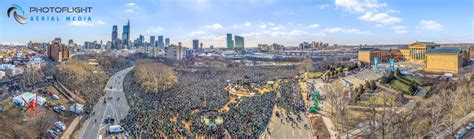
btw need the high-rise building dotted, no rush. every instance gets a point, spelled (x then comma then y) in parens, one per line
(230, 42)
(239, 42)
(70, 42)
(114, 37)
(126, 35)
(152, 41)
(57, 51)
(195, 44)
(160, 42)
(167, 42)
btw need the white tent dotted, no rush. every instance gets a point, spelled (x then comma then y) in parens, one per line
(29, 97)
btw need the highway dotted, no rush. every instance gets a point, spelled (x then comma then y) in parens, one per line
(92, 129)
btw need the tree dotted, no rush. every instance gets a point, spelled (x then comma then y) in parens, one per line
(154, 76)
(398, 73)
(306, 64)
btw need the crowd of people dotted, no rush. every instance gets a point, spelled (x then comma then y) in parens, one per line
(200, 93)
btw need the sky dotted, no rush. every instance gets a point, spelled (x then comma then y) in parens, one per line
(287, 22)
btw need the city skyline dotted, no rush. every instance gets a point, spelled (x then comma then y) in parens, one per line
(350, 22)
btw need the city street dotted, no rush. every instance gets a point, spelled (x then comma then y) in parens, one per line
(116, 108)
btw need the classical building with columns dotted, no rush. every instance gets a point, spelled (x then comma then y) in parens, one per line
(417, 51)
(435, 59)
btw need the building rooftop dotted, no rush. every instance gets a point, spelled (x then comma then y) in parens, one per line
(366, 49)
(444, 51)
(427, 43)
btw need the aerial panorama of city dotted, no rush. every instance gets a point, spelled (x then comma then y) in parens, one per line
(237, 69)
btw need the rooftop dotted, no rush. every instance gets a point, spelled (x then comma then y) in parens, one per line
(427, 43)
(444, 51)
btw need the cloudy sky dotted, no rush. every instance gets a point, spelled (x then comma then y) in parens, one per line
(287, 22)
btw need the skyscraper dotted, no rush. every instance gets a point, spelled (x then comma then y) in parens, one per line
(239, 42)
(152, 41)
(167, 42)
(114, 36)
(161, 44)
(195, 44)
(230, 42)
(126, 35)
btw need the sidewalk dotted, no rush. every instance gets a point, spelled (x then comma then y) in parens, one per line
(330, 126)
(71, 127)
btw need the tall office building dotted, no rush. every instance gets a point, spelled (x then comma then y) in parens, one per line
(114, 36)
(195, 44)
(167, 42)
(126, 35)
(152, 41)
(161, 44)
(58, 51)
(239, 42)
(230, 42)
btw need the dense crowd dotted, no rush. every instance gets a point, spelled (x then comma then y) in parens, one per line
(291, 100)
(198, 93)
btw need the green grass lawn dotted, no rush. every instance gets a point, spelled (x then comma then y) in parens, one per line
(397, 84)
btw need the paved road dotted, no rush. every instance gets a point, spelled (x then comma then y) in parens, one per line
(116, 108)
(456, 125)
(283, 129)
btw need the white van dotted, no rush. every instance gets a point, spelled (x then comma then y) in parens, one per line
(115, 129)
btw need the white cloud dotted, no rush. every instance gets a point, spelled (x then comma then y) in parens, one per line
(399, 29)
(262, 25)
(338, 29)
(132, 8)
(358, 32)
(84, 23)
(247, 23)
(314, 25)
(370, 10)
(213, 37)
(324, 6)
(80, 23)
(215, 26)
(250, 34)
(195, 33)
(332, 30)
(380, 18)
(430, 25)
(270, 23)
(278, 28)
(294, 32)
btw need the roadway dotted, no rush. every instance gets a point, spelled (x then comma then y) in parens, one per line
(92, 129)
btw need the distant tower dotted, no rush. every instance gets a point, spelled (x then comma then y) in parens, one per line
(114, 37)
(230, 42)
(239, 42)
(126, 35)
(167, 42)
(152, 41)
(195, 44)
(160, 42)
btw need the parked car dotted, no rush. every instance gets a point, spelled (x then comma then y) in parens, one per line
(460, 133)
(57, 109)
(60, 125)
(55, 97)
(470, 126)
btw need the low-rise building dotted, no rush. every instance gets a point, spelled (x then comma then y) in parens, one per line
(174, 52)
(443, 60)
